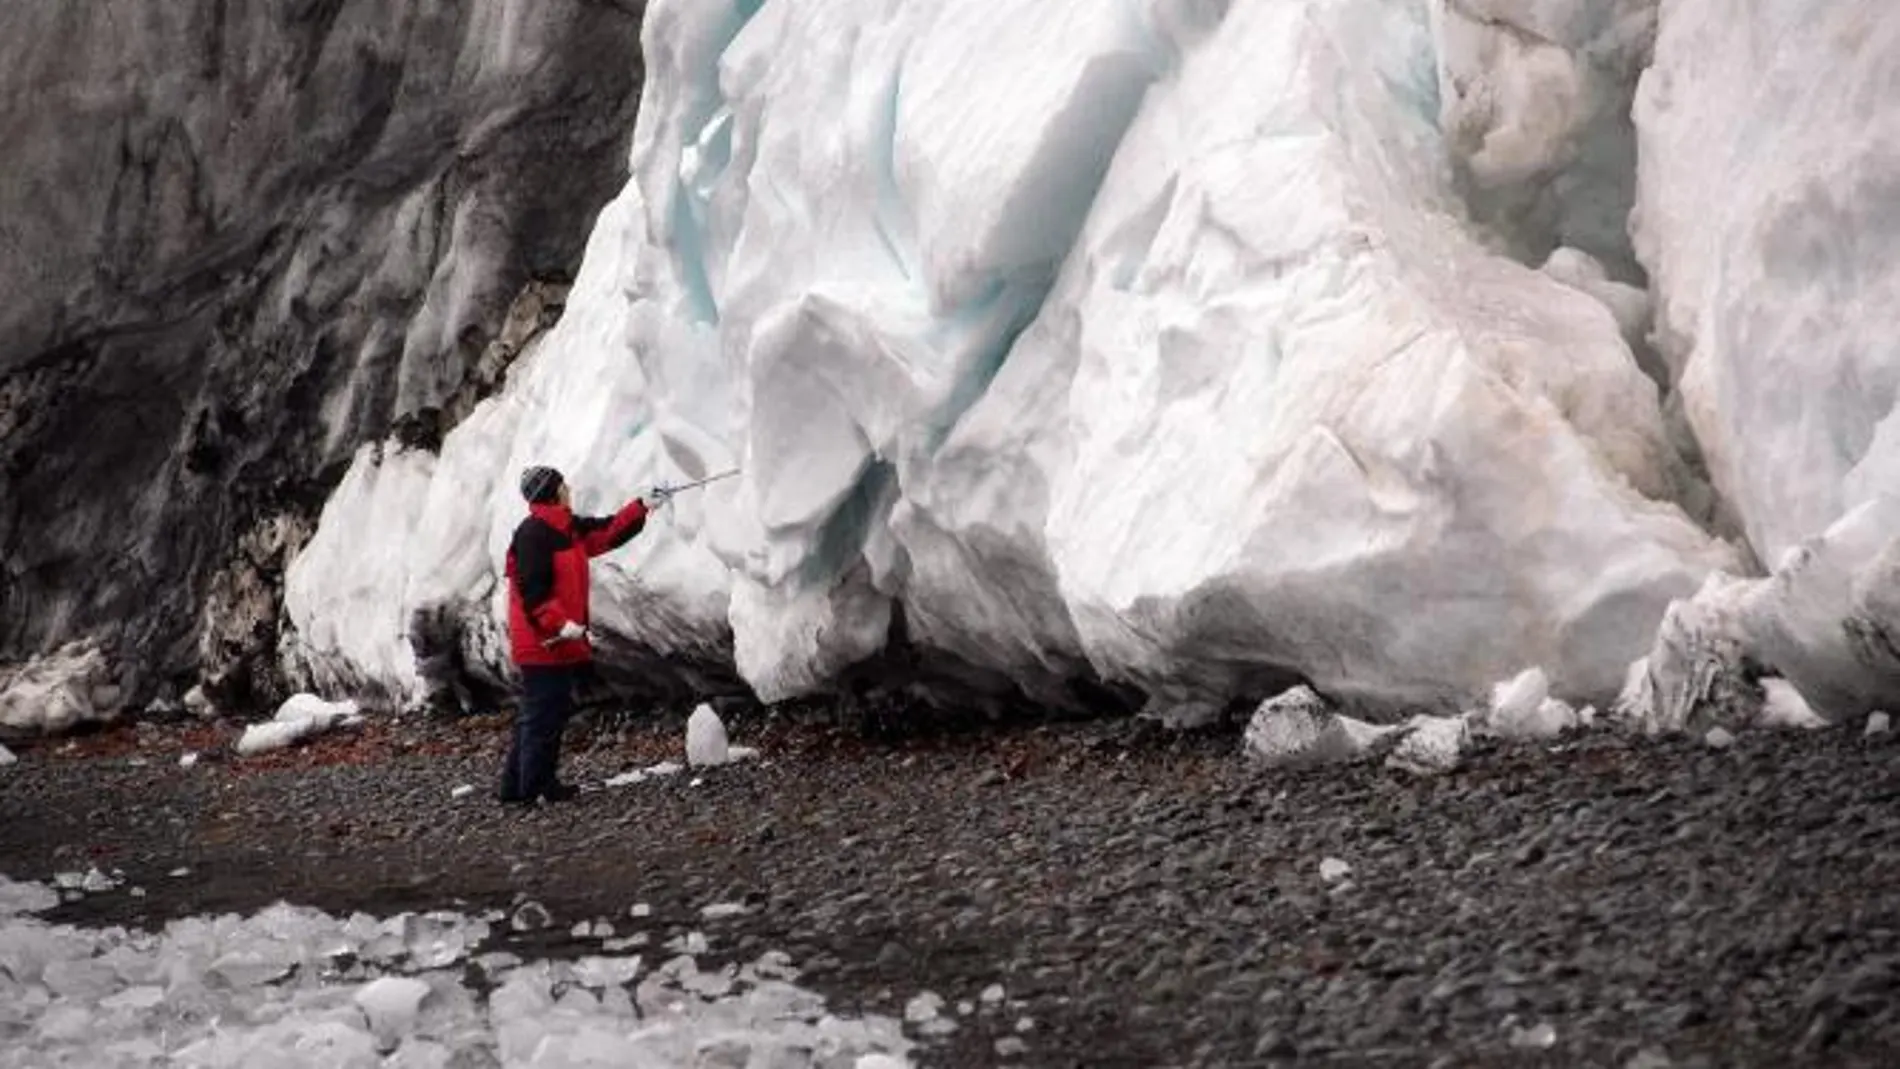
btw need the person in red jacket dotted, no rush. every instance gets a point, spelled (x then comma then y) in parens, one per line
(547, 624)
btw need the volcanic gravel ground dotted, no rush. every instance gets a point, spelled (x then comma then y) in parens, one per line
(1142, 899)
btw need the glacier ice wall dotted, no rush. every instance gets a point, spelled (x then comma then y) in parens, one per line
(1768, 220)
(1768, 216)
(1159, 346)
(1535, 103)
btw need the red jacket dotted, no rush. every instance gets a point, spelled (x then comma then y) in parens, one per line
(548, 582)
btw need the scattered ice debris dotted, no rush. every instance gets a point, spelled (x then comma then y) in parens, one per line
(301, 716)
(627, 779)
(1719, 738)
(965, 1008)
(721, 910)
(694, 943)
(17, 898)
(462, 791)
(1011, 1047)
(1332, 870)
(530, 915)
(1434, 744)
(1784, 707)
(188, 760)
(179, 873)
(706, 738)
(1299, 728)
(271, 989)
(631, 942)
(1522, 708)
(1541, 1036)
(1877, 724)
(924, 1006)
(582, 930)
(391, 1004)
(6, 757)
(1026, 1025)
(992, 995)
(639, 910)
(137, 892)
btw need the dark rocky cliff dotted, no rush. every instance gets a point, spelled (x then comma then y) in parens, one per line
(240, 239)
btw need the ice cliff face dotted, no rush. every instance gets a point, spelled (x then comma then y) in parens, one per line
(1193, 348)
(239, 241)
(1199, 347)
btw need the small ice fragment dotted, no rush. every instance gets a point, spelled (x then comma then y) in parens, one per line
(992, 995)
(529, 915)
(462, 791)
(6, 757)
(627, 779)
(1541, 1036)
(582, 930)
(137, 892)
(390, 1003)
(1011, 1047)
(179, 872)
(1332, 870)
(188, 760)
(965, 1008)
(925, 1006)
(1877, 724)
(706, 738)
(639, 910)
(1719, 738)
(719, 910)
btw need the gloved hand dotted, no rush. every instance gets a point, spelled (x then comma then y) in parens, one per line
(569, 632)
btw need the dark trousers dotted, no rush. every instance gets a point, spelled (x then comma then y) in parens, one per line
(547, 700)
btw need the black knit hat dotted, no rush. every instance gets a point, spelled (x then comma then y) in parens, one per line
(540, 485)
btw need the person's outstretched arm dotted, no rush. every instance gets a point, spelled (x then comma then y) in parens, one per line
(604, 534)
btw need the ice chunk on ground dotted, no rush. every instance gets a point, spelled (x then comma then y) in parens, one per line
(1877, 724)
(1783, 706)
(721, 910)
(1299, 728)
(529, 916)
(705, 738)
(6, 757)
(923, 1006)
(391, 1004)
(1432, 744)
(1719, 738)
(1332, 870)
(992, 995)
(462, 790)
(56, 692)
(301, 716)
(188, 760)
(1521, 708)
